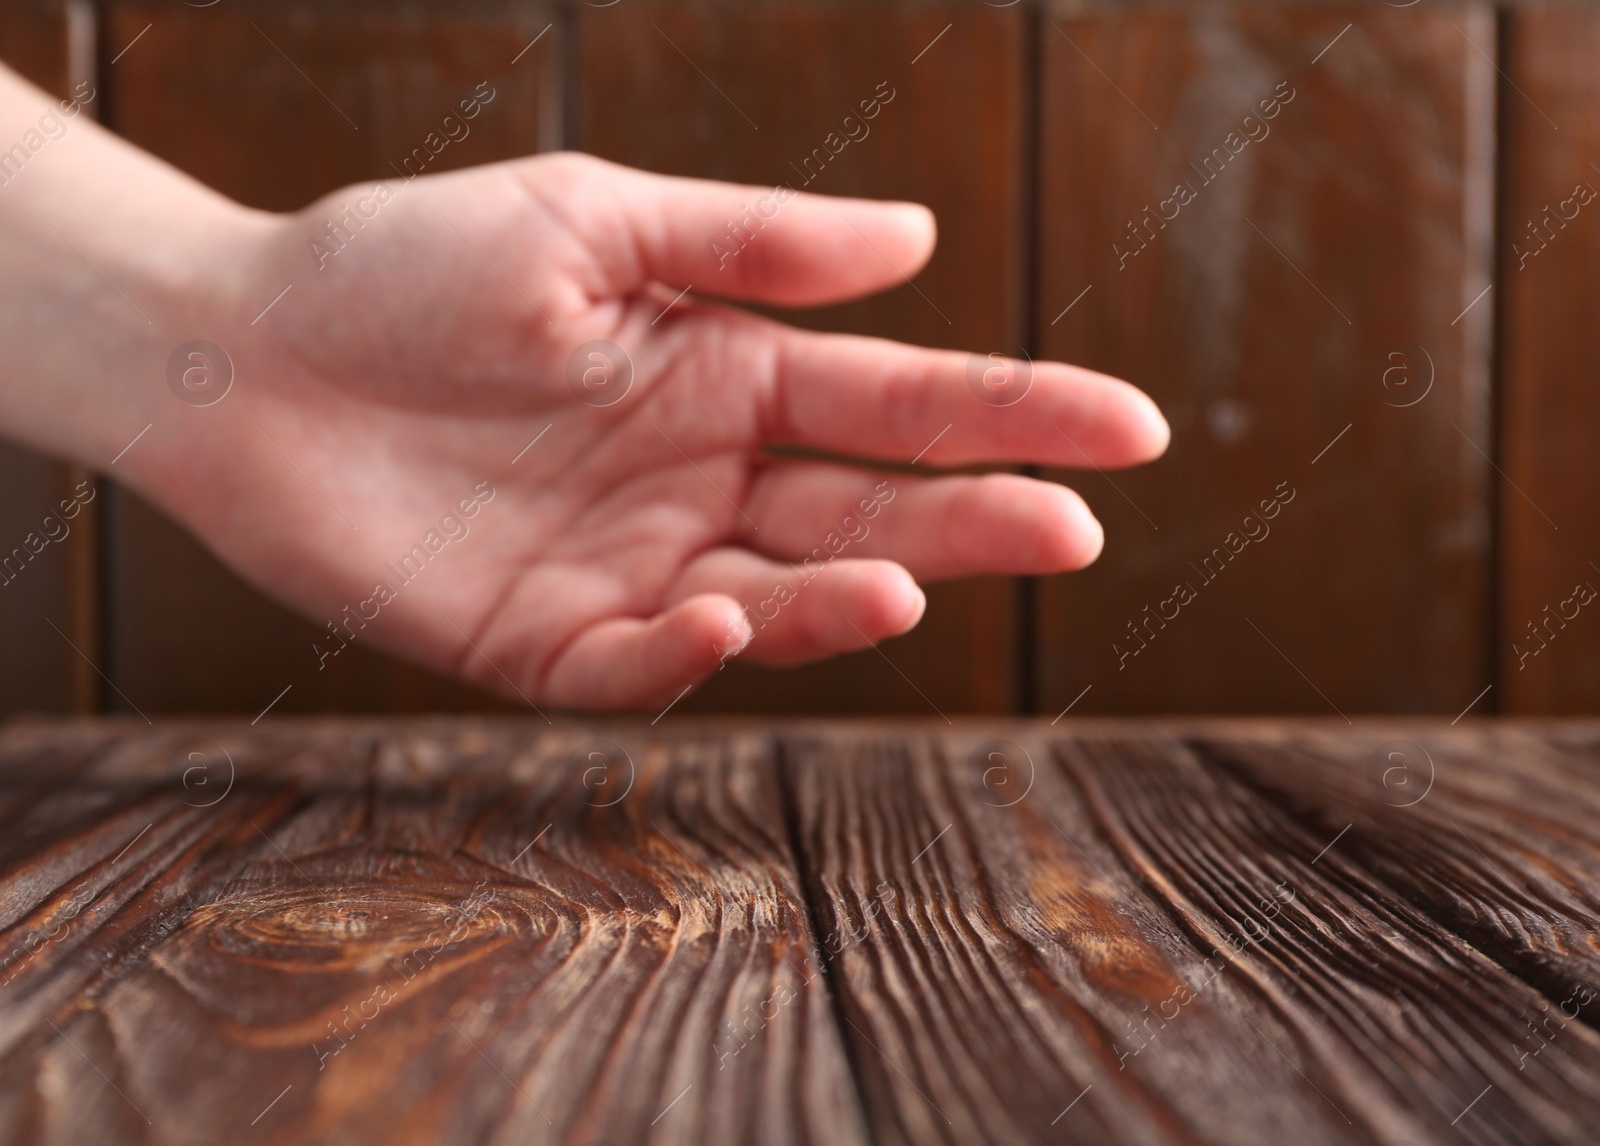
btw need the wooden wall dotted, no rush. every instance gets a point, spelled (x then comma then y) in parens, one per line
(1347, 219)
(1303, 291)
(1548, 641)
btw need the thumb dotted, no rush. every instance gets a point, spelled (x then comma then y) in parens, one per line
(768, 244)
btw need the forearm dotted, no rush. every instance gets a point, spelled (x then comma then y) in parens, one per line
(112, 259)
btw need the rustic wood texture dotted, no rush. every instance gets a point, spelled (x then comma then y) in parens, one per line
(1262, 314)
(1550, 268)
(47, 582)
(1111, 937)
(435, 934)
(209, 89)
(495, 931)
(749, 93)
(1433, 841)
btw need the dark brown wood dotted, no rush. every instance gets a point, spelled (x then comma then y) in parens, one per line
(1427, 814)
(431, 933)
(206, 90)
(454, 931)
(1549, 644)
(188, 635)
(747, 93)
(47, 591)
(1262, 314)
(48, 42)
(51, 575)
(1112, 937)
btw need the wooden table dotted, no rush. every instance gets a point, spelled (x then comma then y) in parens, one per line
(494, 932)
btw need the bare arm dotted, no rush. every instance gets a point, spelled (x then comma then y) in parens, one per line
(459, 428)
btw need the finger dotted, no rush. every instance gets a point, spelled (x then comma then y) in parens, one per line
(803, 614)
(875, 398)
(775, 245)
(936, 527)
(624, 662)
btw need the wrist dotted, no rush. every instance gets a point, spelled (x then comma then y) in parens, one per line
(198, 288)
(114, 260)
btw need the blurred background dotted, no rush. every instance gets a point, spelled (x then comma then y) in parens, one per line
(1343, 246)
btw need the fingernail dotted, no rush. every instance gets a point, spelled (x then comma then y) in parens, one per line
(738, 636)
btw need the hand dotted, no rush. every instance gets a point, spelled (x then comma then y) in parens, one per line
(405, 455)
(415, 450)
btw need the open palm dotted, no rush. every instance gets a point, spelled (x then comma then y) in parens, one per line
(485, 433)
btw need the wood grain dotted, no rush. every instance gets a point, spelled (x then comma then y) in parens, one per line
(416, 934)
(1101, 937)
(1261, 315)
(451, 931)
(211, 90)
(1550, 545)
(47, 582)
(751, 93)
(1442, 820)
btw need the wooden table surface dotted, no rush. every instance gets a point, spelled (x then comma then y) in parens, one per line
(465, 931)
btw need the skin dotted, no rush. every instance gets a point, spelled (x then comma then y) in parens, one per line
(615, 562)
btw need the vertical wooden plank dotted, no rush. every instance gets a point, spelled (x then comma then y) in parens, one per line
(42, 590)
(1549, 625)
(1299, 301)
(36, 41)
(47, 560)
(211, 90)
(749, 93)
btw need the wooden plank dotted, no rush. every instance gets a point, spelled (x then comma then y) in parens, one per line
(49, 575)
(1195, 932)
(429, 932)
(40, 38)
(1427, 813)
(1329, 232)
(748, 93)
(188, 635)
(1109, 937)
(209, 89)
(46, 589)
(1549, 644)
